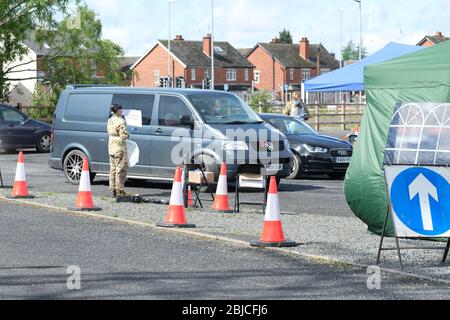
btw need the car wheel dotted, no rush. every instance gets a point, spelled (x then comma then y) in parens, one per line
(73, 166)
(337, 175)
(43, 143)
(296, 168)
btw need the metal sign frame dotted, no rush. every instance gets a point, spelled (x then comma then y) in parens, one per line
(397, 238)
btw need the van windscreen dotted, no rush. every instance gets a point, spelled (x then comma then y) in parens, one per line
(223, 108)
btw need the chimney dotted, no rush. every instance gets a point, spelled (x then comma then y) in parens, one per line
(304, 48)
(207, 45)
(179, 37)
(439, 34)
(275, 40)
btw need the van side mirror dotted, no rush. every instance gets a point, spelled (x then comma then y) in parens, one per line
(187, 121)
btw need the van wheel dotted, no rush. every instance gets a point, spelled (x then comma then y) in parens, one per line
(73, 166)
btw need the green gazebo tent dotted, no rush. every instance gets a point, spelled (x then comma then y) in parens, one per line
(423, 76)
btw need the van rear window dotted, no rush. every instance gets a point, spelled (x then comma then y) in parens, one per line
(88, 107)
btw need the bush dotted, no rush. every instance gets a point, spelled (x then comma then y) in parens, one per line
(260, 98)
(43, 103)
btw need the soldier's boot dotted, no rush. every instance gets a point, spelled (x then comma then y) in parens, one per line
(114, 193)
(122, 193)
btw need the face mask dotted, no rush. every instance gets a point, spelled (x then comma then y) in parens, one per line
(297, 101)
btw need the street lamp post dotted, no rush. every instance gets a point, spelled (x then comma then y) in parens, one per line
(212, 46)
(169, 68)
(360, 28)
(341, 10)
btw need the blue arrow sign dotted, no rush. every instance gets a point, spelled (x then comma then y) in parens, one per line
(420, 199)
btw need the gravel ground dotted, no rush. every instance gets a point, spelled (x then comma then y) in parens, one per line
(346, 239)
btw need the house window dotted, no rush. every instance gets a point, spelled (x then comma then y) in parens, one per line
(306, 74)
(231, 74)
(257, 76)
(193, 74)
(156, 76)
(291, 74)
(246, 75)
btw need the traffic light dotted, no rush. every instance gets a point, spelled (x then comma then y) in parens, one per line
(180, 83)
(207, 83)
(162, 82)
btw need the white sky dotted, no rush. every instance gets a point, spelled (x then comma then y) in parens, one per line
(137, 24)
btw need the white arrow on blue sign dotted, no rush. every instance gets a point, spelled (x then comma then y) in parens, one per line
(420, 202)
(423, 188)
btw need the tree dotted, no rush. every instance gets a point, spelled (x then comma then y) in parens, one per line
(17, 19)
(285, 36)
(81, 56)
(351, 51)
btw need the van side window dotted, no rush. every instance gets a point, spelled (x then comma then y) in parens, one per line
(87, 107)
(142, 102)
(171, 110)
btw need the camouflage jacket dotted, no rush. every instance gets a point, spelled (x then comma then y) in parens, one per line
(118, 135)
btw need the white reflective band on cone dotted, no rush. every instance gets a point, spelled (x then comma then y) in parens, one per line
(176, 198)
(222, 186)
(20, 172)
(273, 208)
(182, 178)
(85, 183)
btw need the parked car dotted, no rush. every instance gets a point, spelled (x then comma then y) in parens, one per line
(18, 131)
(201, 119)
(313, 153)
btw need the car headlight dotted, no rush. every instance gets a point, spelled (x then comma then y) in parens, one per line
(235, 145)
(316, 149)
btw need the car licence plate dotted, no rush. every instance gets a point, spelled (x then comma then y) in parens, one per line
(273, 168)
(343, 159)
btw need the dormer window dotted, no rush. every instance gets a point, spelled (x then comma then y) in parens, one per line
(219, 50)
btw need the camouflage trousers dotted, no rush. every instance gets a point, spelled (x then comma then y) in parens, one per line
(118, 171)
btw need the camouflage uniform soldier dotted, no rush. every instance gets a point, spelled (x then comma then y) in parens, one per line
(118, 155)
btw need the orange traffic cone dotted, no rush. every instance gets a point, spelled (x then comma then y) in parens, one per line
(20, 190)
(84, 200)
(221, 200)
(175, 216)
(272, 234)
(190, 199)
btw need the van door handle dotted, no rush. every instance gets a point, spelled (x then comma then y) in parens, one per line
(159, 131)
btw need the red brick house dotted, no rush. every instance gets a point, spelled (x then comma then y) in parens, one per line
(429, 41)
(278, 64)
(192, 61)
